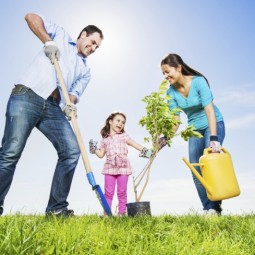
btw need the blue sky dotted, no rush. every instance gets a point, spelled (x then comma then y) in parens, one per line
(215, 37)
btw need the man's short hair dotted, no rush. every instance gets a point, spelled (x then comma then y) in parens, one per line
(90, 29)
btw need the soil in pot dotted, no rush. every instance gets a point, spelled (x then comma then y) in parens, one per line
(138, 208)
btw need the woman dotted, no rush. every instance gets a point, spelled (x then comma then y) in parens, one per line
(189, 91)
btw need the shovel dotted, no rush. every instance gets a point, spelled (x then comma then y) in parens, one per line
(90, 175)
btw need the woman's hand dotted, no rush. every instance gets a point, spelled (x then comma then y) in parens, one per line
(215, 144)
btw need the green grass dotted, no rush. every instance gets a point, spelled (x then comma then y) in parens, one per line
(92, 234)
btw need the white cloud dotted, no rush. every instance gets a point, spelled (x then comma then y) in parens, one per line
(241, 122)
(242, 96)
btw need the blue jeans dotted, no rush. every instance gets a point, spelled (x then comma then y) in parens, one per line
(196, 150)
(26, 110)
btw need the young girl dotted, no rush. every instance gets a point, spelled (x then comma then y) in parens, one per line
(189, 91)
(117, 167)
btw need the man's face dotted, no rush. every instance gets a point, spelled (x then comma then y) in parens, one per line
(87, 45)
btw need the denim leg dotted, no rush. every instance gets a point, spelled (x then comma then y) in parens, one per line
(22, 114)
(58, 130)
(196, 149)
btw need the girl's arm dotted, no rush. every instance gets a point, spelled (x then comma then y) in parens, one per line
(135, 145)
(100, 152)
(94, 150)
(145, 153)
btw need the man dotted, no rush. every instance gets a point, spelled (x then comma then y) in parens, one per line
(37, 101)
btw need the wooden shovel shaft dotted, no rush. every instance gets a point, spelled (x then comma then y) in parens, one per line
(73, 118)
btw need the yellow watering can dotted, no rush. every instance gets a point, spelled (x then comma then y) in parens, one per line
(218, 176)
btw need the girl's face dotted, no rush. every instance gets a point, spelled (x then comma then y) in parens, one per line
(117, 124)
(172, 74)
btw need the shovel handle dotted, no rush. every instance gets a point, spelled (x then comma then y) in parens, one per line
(73, 118)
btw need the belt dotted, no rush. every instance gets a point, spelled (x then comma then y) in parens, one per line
(51, 98)
(55, 95)
(20, 87)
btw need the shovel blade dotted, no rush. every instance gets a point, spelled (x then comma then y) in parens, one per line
(102, 200)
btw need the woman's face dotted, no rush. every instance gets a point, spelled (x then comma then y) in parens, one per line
(172, 74)
(117, 124)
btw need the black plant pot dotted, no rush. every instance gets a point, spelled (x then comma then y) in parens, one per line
(138, 209)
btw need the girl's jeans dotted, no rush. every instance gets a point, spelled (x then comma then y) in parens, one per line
(109, 187)
(26, 110)
(196, 149)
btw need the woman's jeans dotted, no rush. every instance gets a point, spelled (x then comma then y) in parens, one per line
(196, 150)
(109, 187)
(26, 110)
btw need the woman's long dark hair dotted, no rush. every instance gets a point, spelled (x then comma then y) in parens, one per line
(106, 129)
(175, 60)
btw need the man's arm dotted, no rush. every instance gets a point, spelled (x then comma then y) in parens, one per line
(36, 25)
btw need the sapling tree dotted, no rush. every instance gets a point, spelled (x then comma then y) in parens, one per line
(160, 121)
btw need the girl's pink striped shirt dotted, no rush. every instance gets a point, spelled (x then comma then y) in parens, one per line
(116, 149)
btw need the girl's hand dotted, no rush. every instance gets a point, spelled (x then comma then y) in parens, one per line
(146, 153)
(92, 146)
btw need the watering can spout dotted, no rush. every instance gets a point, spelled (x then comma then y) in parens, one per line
(199, 176)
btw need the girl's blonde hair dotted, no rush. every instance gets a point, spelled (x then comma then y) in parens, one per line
(106, 129)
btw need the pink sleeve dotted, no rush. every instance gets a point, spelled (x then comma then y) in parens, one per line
(126, 137)
(103, 144)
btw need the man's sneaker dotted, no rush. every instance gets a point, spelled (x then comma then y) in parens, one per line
(62, 213)
(212, 212)
(1, 210)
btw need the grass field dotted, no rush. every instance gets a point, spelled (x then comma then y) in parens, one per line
(93, 234)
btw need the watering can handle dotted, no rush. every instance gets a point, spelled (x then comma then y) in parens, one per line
(209, 150)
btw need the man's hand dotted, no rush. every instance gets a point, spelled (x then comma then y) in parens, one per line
(215, 144)
(68, 109)
(51, 51)
(92, 146)
(146, 153)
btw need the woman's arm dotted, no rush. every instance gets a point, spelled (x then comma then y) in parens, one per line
(214, 142)
(175, 128)
(210, 113)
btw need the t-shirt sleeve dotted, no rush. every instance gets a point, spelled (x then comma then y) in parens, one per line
(172, 103)
(204, 91)
(103, 144)
(126, 137)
